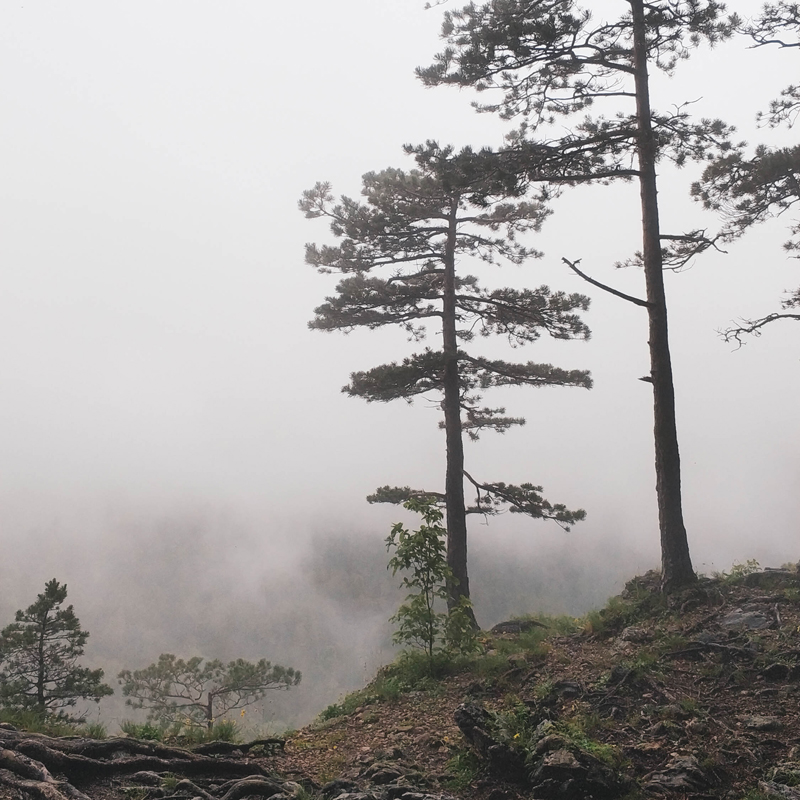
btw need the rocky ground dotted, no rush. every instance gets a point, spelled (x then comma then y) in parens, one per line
(695, 696)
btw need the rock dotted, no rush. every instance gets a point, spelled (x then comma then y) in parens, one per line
(648, 747)
(696, 726)
(500, 793)
(518, 661)
(334, 789)
(574, 775)
(649, 583)
(620, 648)
(759, 722)
(517, 626)
(544, 728)
(618, 673)
(568, 689)
(548, 744)
(751, 620)
(381, 773)
(772, 789)
(659, 729)
(475, 689)
(635, 634)
(771, 576)
(682, 774)
(675, 711)
(776, 672)
(475, 722)
(356, 796)
(145, 778)
(293, 789)
(787, 772)
(708, 637)
(423, 796)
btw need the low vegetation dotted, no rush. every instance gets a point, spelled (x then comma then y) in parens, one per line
(697, 691)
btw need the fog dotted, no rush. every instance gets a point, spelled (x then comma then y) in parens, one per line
(174, 444)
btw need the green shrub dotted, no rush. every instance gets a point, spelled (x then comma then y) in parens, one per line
(578, 731)
(225, 730)
(639, 603)
(146, 731)
(738, 572)
(94, 730)
(515, 724)
(464, 767)
(30, 720)
(347, 705)
(422, 555)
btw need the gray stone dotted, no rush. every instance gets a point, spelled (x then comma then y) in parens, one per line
(682, 774)
(573, 774)
(380, 774)
(760, 722)
(146, 778)
(752, 620)
(709, 637)
(635, 634)
(517, 626)
(336, 788)
(772, 789)
(475, 722)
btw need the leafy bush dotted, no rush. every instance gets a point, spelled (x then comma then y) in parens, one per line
(423, 555)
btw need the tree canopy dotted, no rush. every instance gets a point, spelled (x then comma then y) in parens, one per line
(415, 226)
(546, 61)
(193, 693)
(748, 191)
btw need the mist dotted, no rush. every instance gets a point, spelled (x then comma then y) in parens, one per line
(174, 444)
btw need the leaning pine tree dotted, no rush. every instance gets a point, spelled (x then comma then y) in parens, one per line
(414, 228)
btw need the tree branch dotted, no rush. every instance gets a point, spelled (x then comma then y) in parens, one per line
(637, 301)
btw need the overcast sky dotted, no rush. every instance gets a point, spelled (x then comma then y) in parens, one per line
(155, 362)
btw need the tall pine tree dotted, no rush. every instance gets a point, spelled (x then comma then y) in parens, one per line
(415, 227)
(550, 60)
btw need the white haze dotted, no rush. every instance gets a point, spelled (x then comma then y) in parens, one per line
(173, 441)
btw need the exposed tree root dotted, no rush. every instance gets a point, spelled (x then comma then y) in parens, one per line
(28, 763)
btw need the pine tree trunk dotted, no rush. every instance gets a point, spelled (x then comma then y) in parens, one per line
(454, 481)
(676, 564)
(40, 672)
(210, 712)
